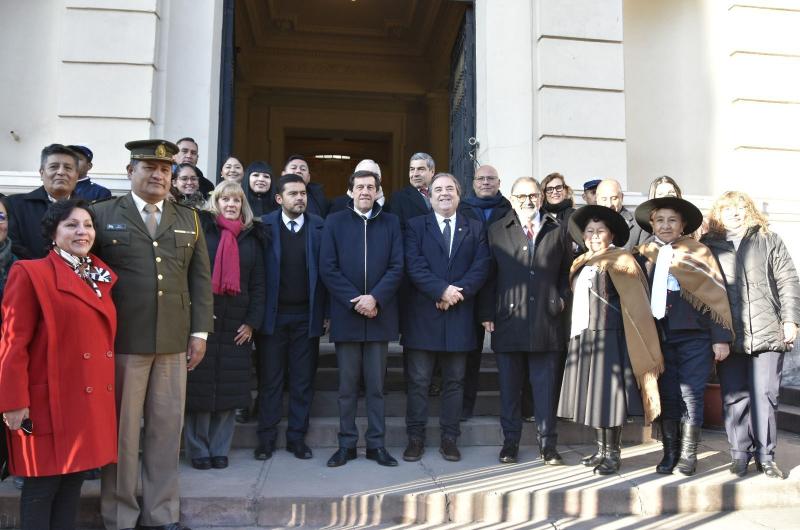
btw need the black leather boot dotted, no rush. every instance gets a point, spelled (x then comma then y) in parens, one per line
(690, 437)
(597, 457)
(612, 452)
(670, 440)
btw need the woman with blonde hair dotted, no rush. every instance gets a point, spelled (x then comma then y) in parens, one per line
(764, 295)
(221, 383)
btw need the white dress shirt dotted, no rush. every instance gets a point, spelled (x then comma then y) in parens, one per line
(440, 220)
(299, 221)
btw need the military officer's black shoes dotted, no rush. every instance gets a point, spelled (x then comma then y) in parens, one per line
(381, 456)
(670, 440)
(594, 459)
(341, 456)
(299, 450)
(738, 467)
(770, 469)
(414, 450)
(509, 452)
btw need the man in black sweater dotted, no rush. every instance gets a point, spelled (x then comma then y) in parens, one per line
(293, 322)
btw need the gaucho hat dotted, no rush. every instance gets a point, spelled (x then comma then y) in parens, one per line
(689, 212)
(615, 222)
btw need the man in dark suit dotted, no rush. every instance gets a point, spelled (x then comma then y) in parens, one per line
(59, 171)
(447, 260)
(317, 203)
(487, 205)
(521, 307)
(361, 264)
(609, 194)
(412, 200)
(293, 320)
(164, 298)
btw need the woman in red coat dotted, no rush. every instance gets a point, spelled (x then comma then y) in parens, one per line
(57, 368)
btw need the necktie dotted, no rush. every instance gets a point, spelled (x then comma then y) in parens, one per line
(150, 219)
(293, 226)
(424, 192)
(530, 233)
(447, 233)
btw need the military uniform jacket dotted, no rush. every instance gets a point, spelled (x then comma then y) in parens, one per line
(164, 288)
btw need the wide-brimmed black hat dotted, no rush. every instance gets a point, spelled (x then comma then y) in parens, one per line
(615, 222)
(690, 213)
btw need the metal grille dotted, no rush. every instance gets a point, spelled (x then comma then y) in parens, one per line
(462, 102)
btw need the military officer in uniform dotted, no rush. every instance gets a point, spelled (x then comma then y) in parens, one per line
(164, 303)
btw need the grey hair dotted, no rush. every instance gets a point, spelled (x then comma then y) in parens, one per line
(526, 179)
(446, 175)
(426, 157)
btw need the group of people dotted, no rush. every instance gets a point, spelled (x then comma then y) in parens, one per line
(130, 324)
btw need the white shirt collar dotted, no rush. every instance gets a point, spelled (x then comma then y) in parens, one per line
(440, 220)
(140, 203)
(368, 214)
(300, 220)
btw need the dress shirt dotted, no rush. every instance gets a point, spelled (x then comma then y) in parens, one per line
(440, 221)
(299, 221)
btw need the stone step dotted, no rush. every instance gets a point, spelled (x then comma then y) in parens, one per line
(790, 395)
(286, 492)
(789, 417)
(478, 431)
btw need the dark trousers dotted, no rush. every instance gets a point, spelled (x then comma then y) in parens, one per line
(542, 371)
(420, 370)
(750, 385)
(50, 503)
(687, 365)
(472, 373)
(290, 349)
(355, 359)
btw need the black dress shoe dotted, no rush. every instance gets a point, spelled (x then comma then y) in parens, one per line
(219, 462)
(449, 450)
(381, 456)
(551, 457)
(201, 463)
(770, 469)
(414, 450)
(263, 452)
(242, 416)
(299, 450)
(341, 456)
(509, 452)
(738, 467)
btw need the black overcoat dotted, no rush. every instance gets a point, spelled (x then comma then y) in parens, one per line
(222, 380)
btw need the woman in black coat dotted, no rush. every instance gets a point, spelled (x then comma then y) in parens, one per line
(765, 301)
(257, 187)
(558, 197)
(221, 383)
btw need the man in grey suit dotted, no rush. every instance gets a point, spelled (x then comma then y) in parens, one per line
(164, 305)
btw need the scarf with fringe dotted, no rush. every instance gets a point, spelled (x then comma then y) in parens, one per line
(225, 274)
(699, 276)
(641, 336)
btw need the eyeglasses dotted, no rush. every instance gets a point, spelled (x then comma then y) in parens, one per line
(188, 179)
(554, 189)
(485, 178)
(529, 196)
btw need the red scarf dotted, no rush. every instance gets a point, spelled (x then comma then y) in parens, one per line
(225, 277)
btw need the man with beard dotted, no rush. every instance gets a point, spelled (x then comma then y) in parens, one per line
(288, 340)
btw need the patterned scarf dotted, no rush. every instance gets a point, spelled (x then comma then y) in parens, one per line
(225, 276)
(641, 337)
(84, 269)
(698, 274)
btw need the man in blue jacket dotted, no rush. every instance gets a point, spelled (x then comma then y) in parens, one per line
(447, 261)
(361, 264)
(293, 320)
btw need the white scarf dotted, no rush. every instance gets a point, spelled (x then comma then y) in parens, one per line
(658, 294)
(580, 300)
